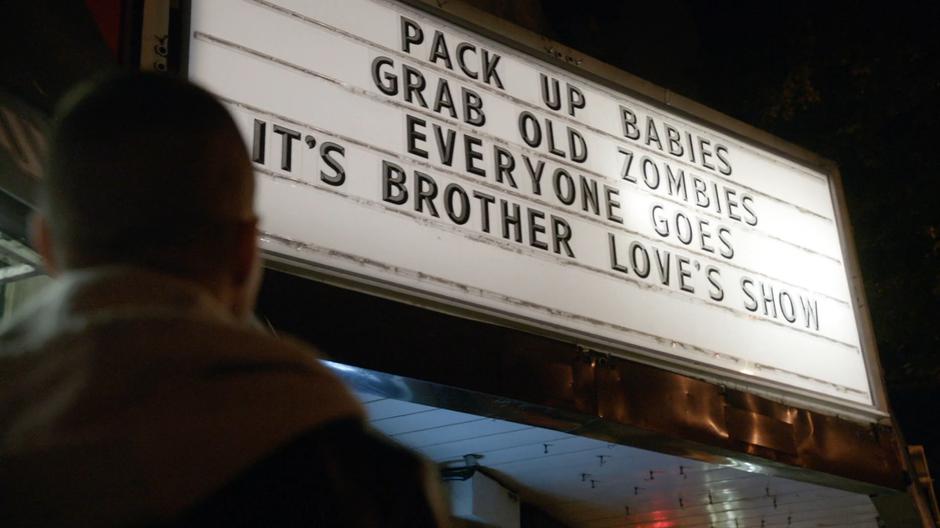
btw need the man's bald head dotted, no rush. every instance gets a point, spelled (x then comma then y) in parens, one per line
(146, 170)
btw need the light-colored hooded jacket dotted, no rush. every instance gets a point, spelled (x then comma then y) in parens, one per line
(127, 396)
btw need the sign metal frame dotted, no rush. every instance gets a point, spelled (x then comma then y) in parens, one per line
(541, 48)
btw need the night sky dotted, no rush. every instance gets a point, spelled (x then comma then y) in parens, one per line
(856, 83)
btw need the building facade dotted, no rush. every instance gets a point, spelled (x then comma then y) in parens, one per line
(592, 301)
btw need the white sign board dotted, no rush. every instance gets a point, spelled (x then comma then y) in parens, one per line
(397, 147)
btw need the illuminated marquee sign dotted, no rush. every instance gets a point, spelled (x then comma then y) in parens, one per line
(397, 148)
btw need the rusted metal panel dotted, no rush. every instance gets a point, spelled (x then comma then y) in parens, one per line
(858, 452)
(759, 430)
(655, 399)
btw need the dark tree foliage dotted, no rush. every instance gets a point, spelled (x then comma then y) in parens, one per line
(858, 83)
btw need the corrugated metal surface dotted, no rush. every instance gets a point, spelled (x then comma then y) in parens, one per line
(591, 483)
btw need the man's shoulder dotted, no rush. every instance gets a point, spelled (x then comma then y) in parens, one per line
(337, 474)
(114, 309)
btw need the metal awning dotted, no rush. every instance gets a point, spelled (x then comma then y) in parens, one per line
(587, 482)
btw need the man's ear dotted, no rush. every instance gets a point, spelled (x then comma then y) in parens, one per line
(246, 252)
(246, 275)
(40, 234)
